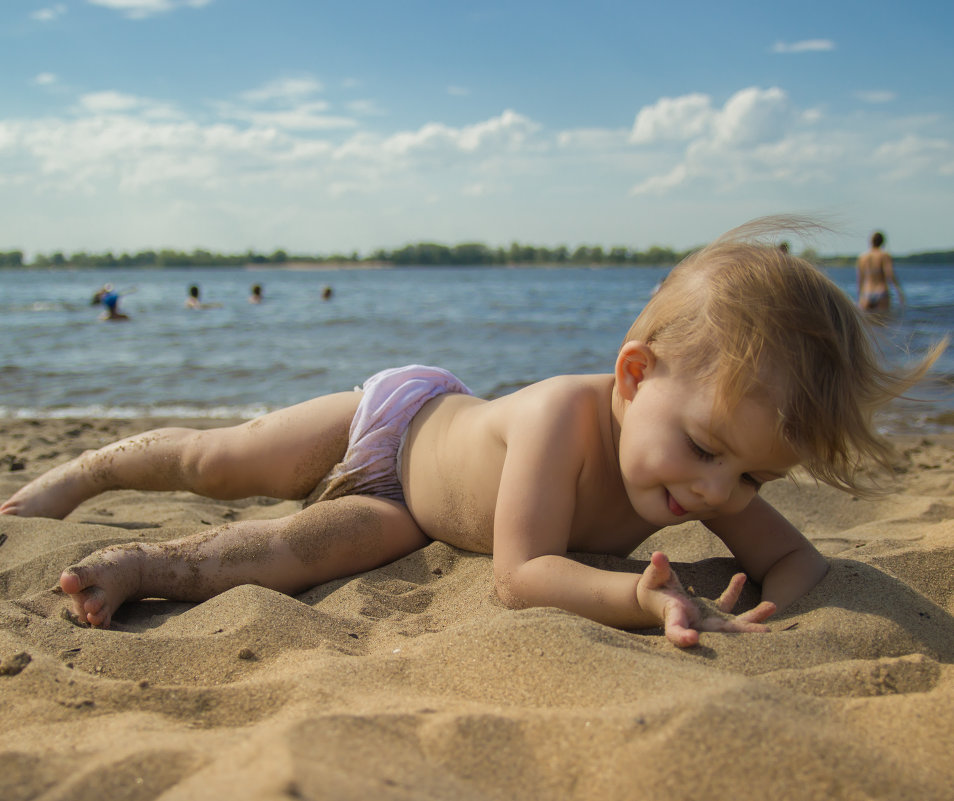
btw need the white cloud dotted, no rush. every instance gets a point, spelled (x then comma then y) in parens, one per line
(304, 117)
(113, 141)
(127, 153)
(49, 14)
(286, 104)
(876, 96)
(752, 116)
(108, 102)
(912, 145)
(801, 157)
(140, 9)
(754, 132)
(9, 136)
(45, 79)
(673, 118)
(657, 184)
(912, 155)
(458, 91)
(804, 46)
(593, 139)
(279, 157)
(507, 132)
(284, 89)
(113, 103)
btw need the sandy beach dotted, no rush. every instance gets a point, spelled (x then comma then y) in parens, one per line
(413, 682)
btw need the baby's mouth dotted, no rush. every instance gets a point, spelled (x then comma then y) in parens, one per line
(674, 506)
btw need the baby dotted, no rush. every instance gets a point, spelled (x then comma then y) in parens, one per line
(746, 363)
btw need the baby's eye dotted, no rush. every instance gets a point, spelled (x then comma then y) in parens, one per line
(752, 481)
(698, 450)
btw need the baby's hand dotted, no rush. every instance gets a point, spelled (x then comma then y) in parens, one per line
(683, 616)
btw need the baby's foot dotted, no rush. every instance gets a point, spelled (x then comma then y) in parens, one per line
(54, 494)
(102, 581)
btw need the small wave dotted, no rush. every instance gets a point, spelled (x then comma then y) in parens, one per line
(306, 374)
(45, 306)
(346, 322)
(97, 411)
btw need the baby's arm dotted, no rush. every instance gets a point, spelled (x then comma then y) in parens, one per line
(533, 518)
(771, 551)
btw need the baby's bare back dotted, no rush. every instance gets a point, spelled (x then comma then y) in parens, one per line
(454, 458)
(451, 468)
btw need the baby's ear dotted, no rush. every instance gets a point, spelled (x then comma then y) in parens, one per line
(635, 361)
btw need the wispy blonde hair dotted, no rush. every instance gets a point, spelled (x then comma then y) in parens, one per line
(762, 322)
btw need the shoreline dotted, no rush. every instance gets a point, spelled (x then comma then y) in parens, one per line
(413, 681)
(940, 422)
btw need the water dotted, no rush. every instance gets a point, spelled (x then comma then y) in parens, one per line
(498, 329)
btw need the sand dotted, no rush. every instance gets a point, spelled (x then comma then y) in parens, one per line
(413, 682)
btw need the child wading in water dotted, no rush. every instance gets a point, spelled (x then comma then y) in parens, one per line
(746, 362)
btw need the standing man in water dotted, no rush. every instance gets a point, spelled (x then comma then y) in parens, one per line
(875, 271)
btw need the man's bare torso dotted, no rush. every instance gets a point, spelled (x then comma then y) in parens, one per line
(872, 269)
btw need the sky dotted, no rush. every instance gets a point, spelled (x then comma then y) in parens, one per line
(331, 127)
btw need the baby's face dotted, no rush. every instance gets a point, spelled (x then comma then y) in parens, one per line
(681, 462)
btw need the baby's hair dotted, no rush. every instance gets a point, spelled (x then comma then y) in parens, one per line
(762, 322)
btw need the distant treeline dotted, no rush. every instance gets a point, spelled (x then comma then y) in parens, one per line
(928, 257)
(424, 254)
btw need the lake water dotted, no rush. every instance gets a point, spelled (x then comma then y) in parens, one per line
(497, 329)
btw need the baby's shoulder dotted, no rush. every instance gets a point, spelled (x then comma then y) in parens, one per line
(567, 388)
(560, 398)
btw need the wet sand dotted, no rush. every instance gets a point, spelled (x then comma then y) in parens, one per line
(413, 682)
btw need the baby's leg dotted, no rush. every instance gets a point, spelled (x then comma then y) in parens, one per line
(328, 540)
(283, 455)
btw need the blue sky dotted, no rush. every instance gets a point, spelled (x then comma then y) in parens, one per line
(352, 125)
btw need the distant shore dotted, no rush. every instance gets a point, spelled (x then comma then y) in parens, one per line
(325, 265)
(421, 254)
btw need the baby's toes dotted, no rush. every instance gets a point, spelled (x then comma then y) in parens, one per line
(96, 610)
(75, 579)
(94, 599)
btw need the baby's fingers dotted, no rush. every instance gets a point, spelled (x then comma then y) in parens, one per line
(747, 621)
(658, 572)
(734, 624)
(761, 612)
(678, 629)
(730, 597)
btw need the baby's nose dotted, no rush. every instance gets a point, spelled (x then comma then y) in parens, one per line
(715, 488)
